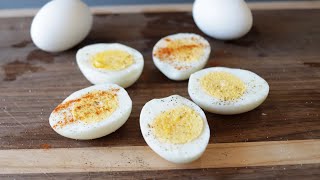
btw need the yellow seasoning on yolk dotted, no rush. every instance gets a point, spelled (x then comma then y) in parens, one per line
(112, 60)
(183, 50)
(223, 85)
(178, 125)
(95, 106)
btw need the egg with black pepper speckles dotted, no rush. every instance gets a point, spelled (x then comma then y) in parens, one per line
(223, 90)
(92, 112)
(175, 128)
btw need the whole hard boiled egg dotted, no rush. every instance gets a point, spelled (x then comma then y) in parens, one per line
(223, 90)
(175, 128)
(92, 112)
(60, 25)
(223, 19)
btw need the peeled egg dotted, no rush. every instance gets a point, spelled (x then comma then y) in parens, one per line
(60, 25)
(110, 63)
(92, 112)
(223, 90)
(223, 19)
(178, 56)
(175, 128)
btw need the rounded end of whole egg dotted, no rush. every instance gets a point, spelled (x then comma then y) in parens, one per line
(224, 20)
(60, 25)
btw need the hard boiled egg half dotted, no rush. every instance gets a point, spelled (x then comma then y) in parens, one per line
(110, 63)
(178, 56)
(223, 90)
(92, 112)
(175, 128)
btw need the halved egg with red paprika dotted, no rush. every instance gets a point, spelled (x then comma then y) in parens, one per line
(178, 56)
(92, 112)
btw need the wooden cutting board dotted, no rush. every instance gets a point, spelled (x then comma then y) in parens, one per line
(278, 139)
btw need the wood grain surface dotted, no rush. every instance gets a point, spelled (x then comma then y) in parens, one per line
(142, 158)
(292, 172)
(282, 47)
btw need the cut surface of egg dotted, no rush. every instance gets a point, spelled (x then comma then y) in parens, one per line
(223, 90)
(60, 25)
(92, 112)
(110, 63)
(175, 128)
(226, 20)
(178, 56)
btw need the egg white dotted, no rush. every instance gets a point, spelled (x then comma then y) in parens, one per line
(124, 78)
(83, 131)
(60, 25)
(257, 90)
(225, 20)
(176, 153)
(169, 70)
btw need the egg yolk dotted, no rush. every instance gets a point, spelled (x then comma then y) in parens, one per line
(114, 60)
(178, 125)
(95, 106)
(180, 50)
(223, 85)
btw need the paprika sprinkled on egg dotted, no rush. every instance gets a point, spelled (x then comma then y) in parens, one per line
(92, 112)
(179, 55)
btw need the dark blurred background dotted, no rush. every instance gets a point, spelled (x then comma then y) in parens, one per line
(5, 4)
